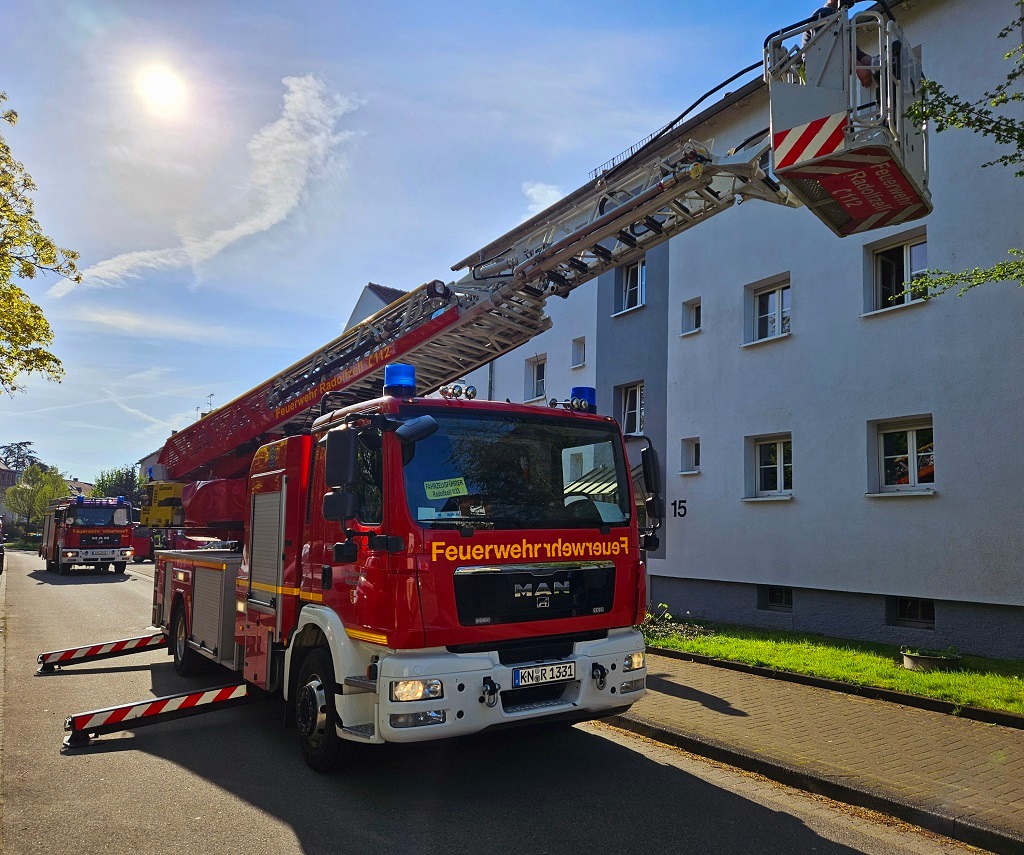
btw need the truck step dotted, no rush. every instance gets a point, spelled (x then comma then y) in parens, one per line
(360, 684)
(81, 727)
(49, 662)
(360, 731)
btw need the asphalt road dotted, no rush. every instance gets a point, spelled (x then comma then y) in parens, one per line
(233, 781)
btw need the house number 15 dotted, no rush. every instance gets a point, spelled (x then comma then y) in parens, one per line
(679, 508)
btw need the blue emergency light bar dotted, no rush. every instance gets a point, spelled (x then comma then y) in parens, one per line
(587, 395)
(400, 380)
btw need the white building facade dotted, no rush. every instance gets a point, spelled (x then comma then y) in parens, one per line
(835, 461)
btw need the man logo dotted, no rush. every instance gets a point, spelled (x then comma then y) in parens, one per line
(540, 590)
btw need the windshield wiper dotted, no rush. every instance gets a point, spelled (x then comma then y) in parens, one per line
(461, 521)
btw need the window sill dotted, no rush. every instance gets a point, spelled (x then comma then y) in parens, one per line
(766, 340)
(574, 367)
(627, 311)
(783, 497)
(629, 437)
(689, 472)
(534, 400)
(890, 494)
(690, 332)
(918, 302)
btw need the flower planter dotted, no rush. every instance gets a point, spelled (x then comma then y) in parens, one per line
(930, 661)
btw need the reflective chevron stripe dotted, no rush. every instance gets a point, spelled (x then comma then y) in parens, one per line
(92, 652)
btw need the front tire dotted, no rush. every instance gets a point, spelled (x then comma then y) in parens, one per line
(316, 715)
(120, 566)
(186, 660)
(62, 568)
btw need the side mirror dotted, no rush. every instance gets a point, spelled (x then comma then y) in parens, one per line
(340, 458)
(651, 469)
(417, 429)
(346, 553)
(339, 506)
(650, 542)
(655, 506)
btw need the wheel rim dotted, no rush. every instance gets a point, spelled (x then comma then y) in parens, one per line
(179, 639)
(311, 711)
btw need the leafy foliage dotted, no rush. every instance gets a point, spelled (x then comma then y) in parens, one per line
(661, 624)
(24, 252)
(990, 115)
(19, 455)
(39, 486)
(122, 481)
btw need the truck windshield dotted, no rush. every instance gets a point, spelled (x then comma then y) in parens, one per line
(97, 516)
(514, 471)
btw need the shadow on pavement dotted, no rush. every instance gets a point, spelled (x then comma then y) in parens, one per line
(537, 790)
(658, 683)
(79, 577)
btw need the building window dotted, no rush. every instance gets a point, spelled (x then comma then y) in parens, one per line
(632, 291)
(906, 455)
(774, 598)
(535, 371)
(575, 466)
(895, 269)
(633, 409)
(910, 611)
(689, 455)
(579, 352)
(771, 312)
(691, 316)
(774, 458)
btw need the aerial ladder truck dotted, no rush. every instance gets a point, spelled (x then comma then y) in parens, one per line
(419, 567)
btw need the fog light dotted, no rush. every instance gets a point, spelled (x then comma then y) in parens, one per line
(631, 686)
(634, 661)
(416, 690)
(417, 719)
(70, 554)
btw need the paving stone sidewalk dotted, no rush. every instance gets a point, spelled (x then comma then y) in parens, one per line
(952, 775)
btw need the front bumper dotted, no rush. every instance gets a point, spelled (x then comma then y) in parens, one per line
(98, 555)
(479, 692)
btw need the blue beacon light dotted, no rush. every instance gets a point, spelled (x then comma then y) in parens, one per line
(586, 394)
(400, 380)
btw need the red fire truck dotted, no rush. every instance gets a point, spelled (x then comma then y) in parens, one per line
(94, 533)
(414, 568)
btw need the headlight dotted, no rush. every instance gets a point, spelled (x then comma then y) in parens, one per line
(633, 662)
(416, 690)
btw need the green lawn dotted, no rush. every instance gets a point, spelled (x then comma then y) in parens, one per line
(991, 683)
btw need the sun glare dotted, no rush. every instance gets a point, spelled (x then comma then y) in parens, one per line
(162, 91)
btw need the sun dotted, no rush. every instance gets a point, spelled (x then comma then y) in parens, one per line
(162, 91)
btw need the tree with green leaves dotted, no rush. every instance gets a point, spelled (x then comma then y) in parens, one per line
(122, 481)
(990, 115)
(28, 499)
(24, 252)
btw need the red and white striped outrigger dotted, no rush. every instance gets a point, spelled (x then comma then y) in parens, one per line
(83, 726)
(49, 662)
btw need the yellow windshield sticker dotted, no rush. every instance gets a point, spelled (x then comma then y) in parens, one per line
(446, 488)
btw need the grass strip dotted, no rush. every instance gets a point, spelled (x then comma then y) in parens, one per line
(995, 684)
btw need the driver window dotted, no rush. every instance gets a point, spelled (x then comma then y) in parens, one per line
(369, 488)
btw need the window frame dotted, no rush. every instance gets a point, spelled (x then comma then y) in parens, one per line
(781, 316)
(692, 317)
(536, 365)
(573, 361)
(906, 245)
(689, 455)
(780, 442)
(625, 410)
(625, 289)
(910, 428)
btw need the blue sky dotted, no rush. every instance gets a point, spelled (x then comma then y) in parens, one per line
(228, 219)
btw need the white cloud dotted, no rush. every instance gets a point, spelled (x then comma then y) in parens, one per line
(541, 196)
(284, 157)
(138, 325)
